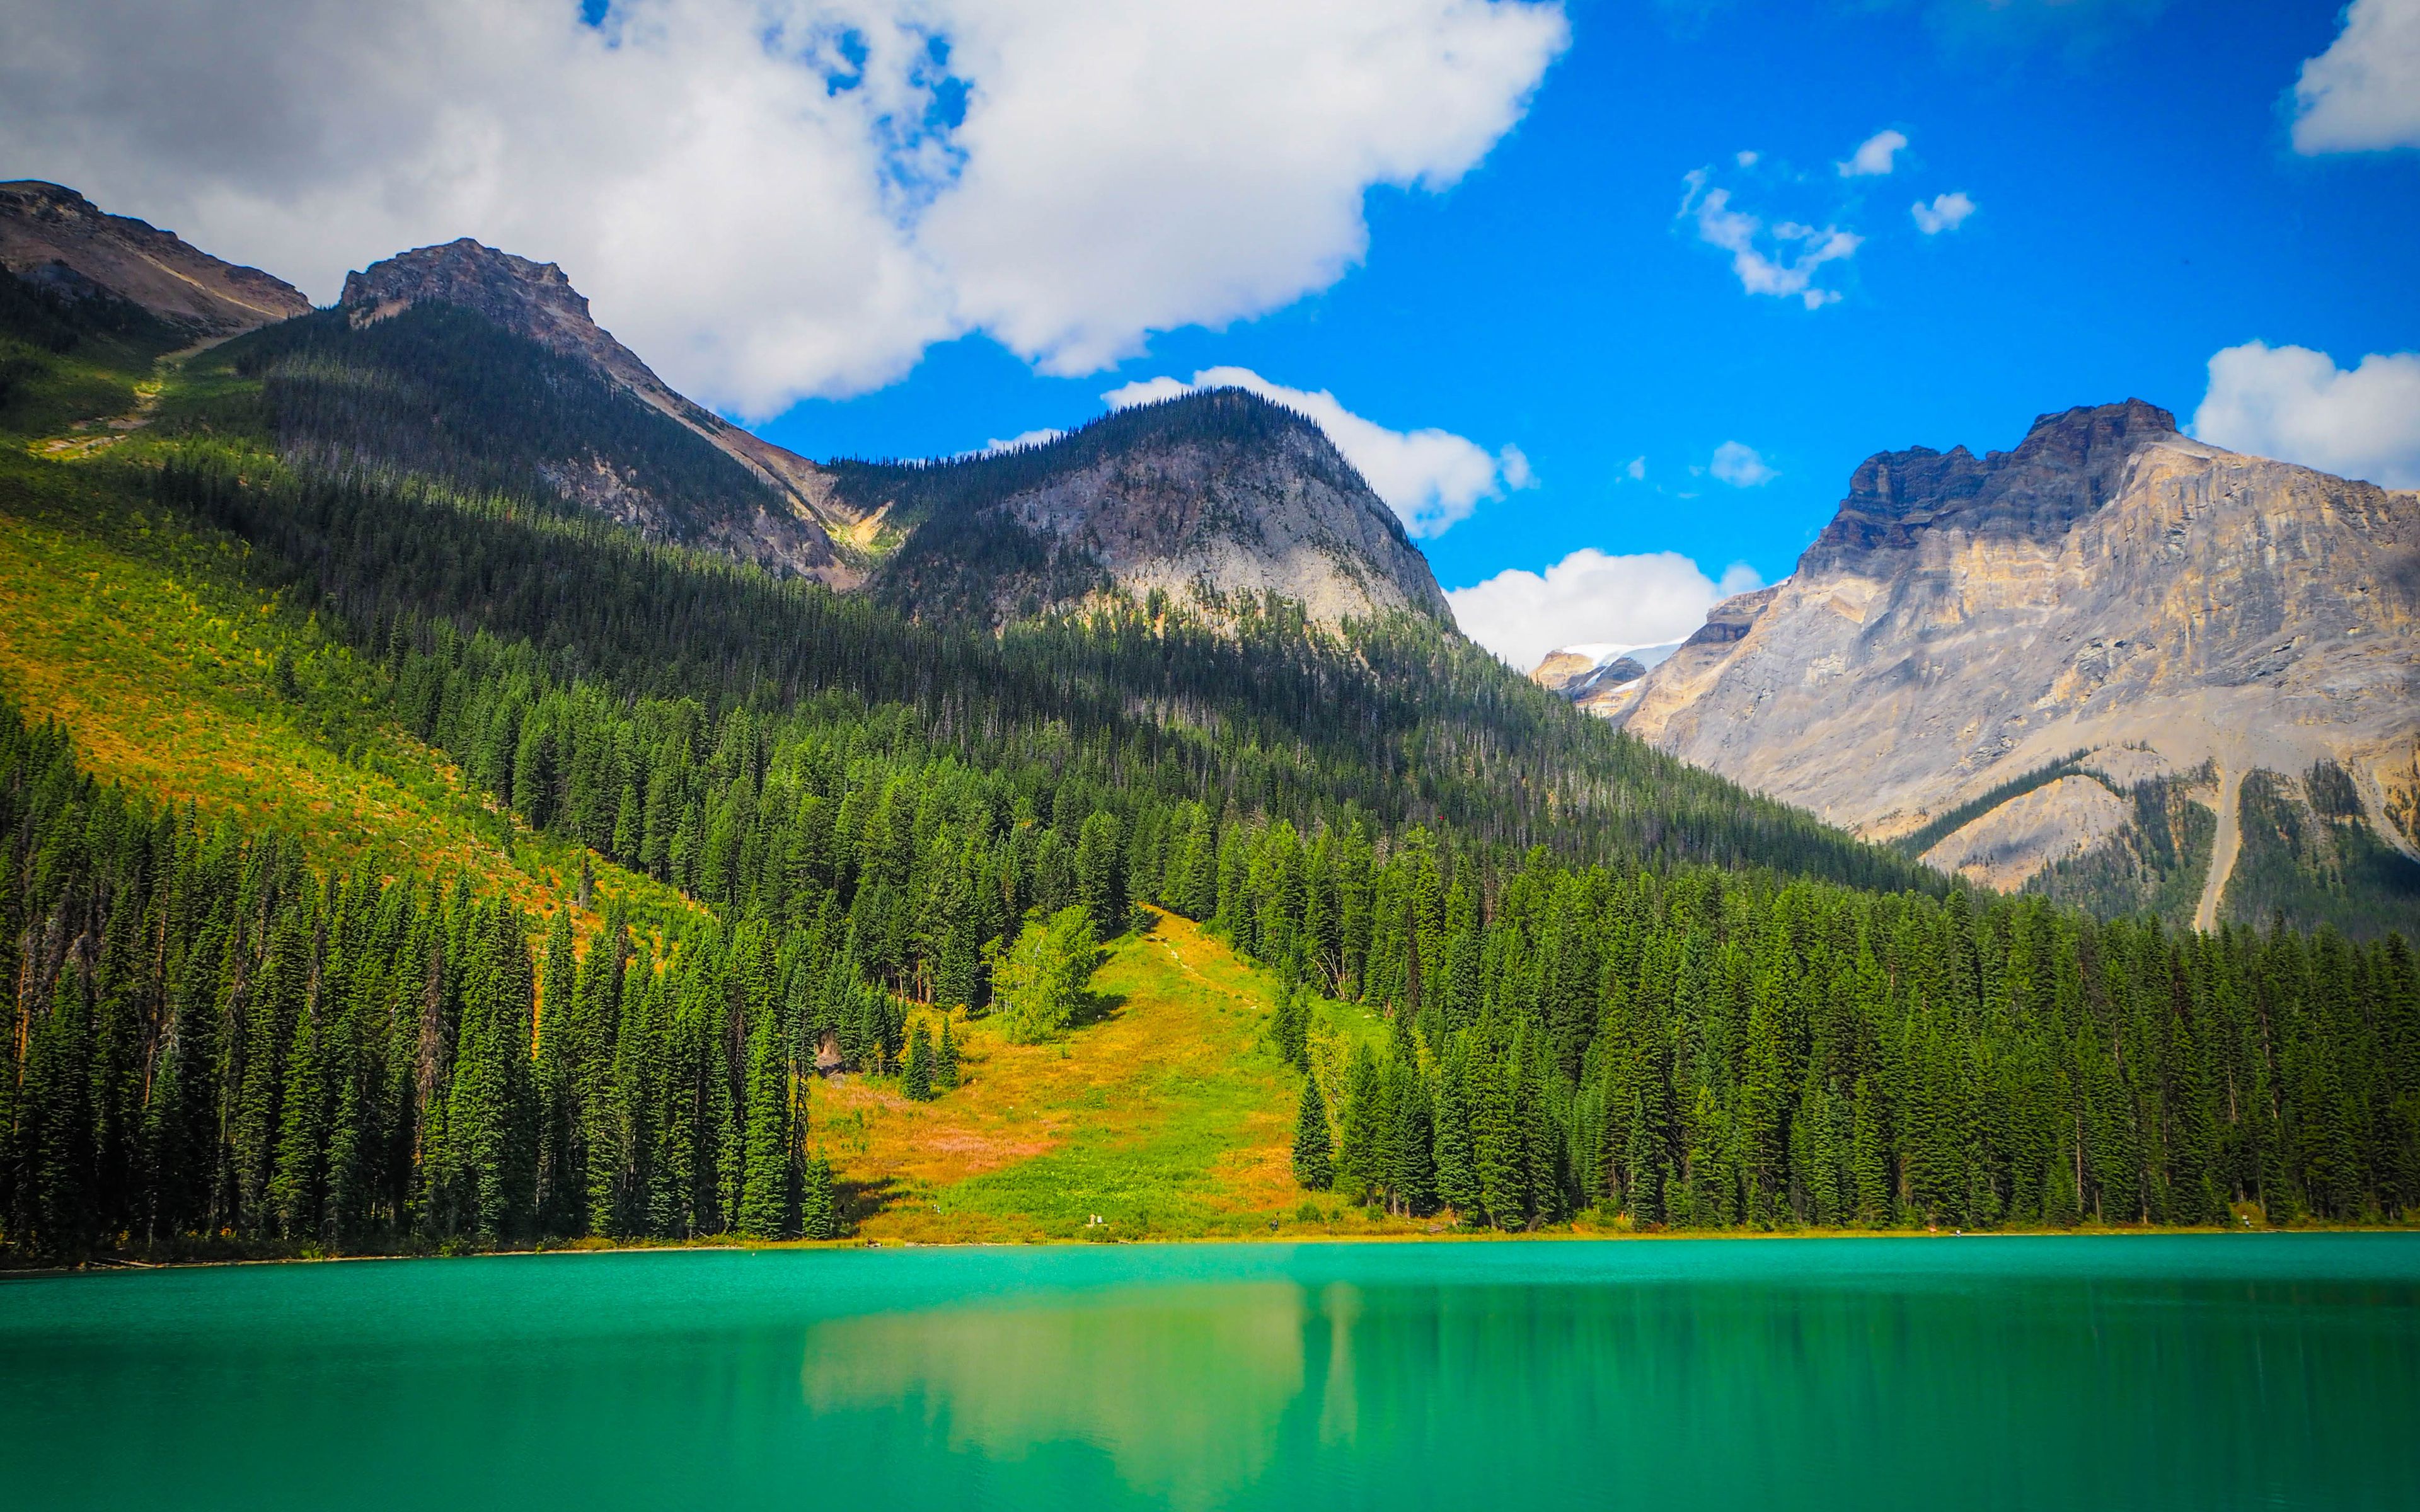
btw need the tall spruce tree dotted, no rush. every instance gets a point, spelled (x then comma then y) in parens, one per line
(1315, 1164)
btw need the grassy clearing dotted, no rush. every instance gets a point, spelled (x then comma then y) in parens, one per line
(1166, 1115)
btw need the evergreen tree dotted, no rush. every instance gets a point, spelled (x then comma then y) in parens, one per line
(1457, 1178)
(769, 1199)
(916, 1078)
(945, 1061)
(1314, 1166)
(819, 1204)
(1101, 873)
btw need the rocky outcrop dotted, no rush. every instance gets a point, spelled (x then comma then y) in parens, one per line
(1597, 678)
(2019, 839)
(797, 529)
(56, 238)
(2110, 586)
(1206, 498)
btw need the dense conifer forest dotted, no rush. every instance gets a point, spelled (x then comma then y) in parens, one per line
(1611, 983)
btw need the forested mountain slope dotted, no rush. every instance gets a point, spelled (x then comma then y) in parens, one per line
(2115, 665)
(485, 368)
(463, 363)
(1532, 968)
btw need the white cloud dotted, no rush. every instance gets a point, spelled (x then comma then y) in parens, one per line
(775, 198)
(1746, 160)
(1636, 471)
(1592, 597)
(1740, 466)
(1027, 437)
(1873, 156)
(2296, 404)
(2363, 94)
(1432, 479)
(1797, 250)
(1945, 213)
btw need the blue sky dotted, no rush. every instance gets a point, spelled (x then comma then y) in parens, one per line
(2139, 207)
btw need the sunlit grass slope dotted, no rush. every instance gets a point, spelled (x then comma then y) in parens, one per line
(178, 677)
(1166, 1115)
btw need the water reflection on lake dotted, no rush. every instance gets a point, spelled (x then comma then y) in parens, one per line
(2186, 1372)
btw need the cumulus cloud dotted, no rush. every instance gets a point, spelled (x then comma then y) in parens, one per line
(1591, 598)
(1432, 479)
(1739, 465)
(1780, 259)
(776, 198)
(1945, 213)
(1636, 470)
(1021, 440)
(1873, 157)
(2296, 404)
(2363, 94)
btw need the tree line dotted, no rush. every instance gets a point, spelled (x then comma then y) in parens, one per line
(211, 1040)
(1701, 1049)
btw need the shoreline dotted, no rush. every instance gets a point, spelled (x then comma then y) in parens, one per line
(727, 1244)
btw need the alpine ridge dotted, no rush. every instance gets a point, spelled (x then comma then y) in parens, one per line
(1210, 499)
(2066, 665)
(55, 238)
(792, 524)
(1201, 499)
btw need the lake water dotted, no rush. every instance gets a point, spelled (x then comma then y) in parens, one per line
(2187, 1372)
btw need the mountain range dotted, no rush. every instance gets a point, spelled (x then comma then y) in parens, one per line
(454, 792)
(2114, 664)
(2079, 666)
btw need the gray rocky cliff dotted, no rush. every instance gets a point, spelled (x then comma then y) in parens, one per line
(1204, 497)
(2111, 587)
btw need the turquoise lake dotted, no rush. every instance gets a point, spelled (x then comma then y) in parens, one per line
(2185, 1372)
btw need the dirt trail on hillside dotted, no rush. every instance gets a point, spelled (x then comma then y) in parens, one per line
(90, 436)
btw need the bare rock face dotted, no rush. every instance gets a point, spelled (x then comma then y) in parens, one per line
(2109, 587)
(55, 236)
(2012, 844)
(1218, 492)
(794, 531)
(1599, 679)
(1561, 669)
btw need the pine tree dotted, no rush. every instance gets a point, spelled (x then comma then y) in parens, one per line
(1101, 873)
(1314, 1166)
(769, 1199)
(916, 1078)
(1290, 1026)
(1457, 1179)
(1870, 1157)
(945, 1061)
(1358, 1154)
(1495, 1144)
(820, 1215)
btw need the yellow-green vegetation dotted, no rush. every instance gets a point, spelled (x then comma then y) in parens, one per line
(1165, 1113)
(179, 677)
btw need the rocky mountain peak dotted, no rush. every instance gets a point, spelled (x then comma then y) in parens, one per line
(529, 299)
(1220, 490)
(52, 236)
(2076, 664)
(2068, 465)
(536, 300)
